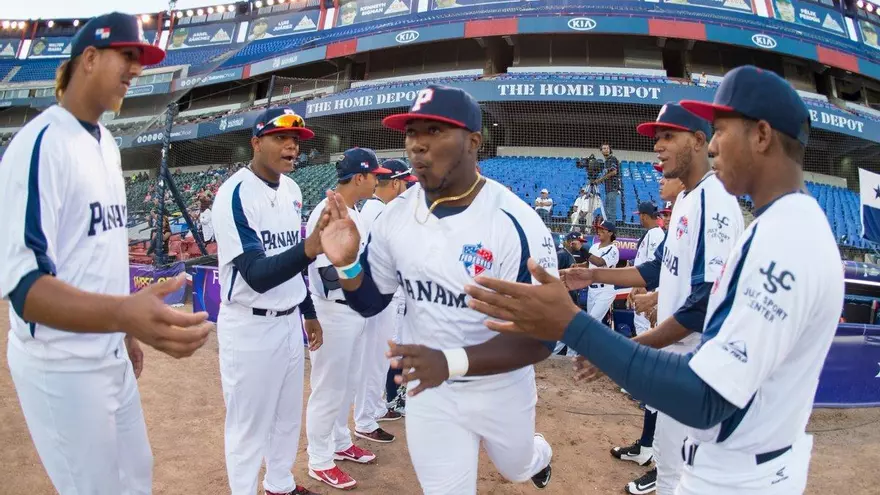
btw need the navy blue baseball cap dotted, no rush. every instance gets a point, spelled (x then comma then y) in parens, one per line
(116, 30)
(646, 207)
(667, 208)
(758, 94)
(358, 161)
(443, 104)
(397, 169)
(608, 225)
(574, 236)
(281, 119)
(673, 116)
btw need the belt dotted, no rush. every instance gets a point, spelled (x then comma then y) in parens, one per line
(269, 312)
(342, 302)
(688, 457)
(598, 286)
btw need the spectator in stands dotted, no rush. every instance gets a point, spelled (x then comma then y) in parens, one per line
(544, 205)
(703, 80)
(583, 208)
(611, 178)
(154, 241)
(205, 203)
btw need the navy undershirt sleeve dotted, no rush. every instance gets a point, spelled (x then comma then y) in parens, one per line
(19, 294)
(263, 273)
(692, 314)
(367, 300)
(650, 271)
(307, 307)
(660, 378)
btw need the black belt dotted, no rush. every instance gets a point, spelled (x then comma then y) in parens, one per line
(269, 312)
(344, 303)
(759, 458)
(598, 286)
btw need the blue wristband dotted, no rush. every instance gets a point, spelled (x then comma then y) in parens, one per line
(350, 271)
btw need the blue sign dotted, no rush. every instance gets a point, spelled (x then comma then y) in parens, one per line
(869, 34)
(810, 14)
(147, 89)
(415, 35)
(50, 48)
(452, 4)
(358, 11)
(284, 25)
(592, 24)
(762, 40)
(9, 48)
(289, 60)
(195, 36)
(851, 373)
(206, 79)
(736, 5)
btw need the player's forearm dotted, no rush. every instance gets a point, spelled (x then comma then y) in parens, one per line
(263, 273)
(505, 352)
(364, 296)
(61, 306)
(668, 332)
(660, 378)
(622, 277)
(597, 260)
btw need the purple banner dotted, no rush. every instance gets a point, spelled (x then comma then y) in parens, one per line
(141, 276)
(206, 290)
(625, 245)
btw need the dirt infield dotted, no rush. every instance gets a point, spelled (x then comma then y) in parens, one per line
(184, 410)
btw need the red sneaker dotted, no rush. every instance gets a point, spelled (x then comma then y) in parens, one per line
(334, 477)
(356, 454)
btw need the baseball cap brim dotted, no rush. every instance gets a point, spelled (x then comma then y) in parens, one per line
(398, 121)
(302, 133)
(658, 167)
(150, 54)
(381, 170)
(704, 110)
(649, 129)
(408, 178)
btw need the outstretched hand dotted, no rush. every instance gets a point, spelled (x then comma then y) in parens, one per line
(541, 311)
(340, 239)
(576, 278)
(418, 362)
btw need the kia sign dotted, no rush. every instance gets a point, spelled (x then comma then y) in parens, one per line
(764, 41)
(407, 36)
(581, 24)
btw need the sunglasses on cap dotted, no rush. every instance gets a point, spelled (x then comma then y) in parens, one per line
(287, 121)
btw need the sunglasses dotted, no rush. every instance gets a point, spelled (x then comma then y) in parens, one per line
(287, 121)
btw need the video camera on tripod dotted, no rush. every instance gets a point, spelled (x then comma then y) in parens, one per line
(592, 166)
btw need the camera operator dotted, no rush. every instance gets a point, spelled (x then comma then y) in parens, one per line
(611, 178)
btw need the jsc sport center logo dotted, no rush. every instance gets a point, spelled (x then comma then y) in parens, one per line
(581, 24)
(764, 41)
(407, 36)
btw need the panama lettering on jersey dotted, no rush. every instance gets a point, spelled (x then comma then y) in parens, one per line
(64, 205)
(249, 216)
(703, 226)
(432, 262)
(769, 325)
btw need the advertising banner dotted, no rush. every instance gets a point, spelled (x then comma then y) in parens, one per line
(206, 79)
(284, 25)
(358, 11)
(143, 275)
(810, 14)
(198, 36)
(206, 290)
(735, 5)
(9, 48)
(288, 60)
(870, 33)
(452, 4)
(50, 48)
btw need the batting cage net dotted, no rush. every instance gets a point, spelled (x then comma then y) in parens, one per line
(527, 145)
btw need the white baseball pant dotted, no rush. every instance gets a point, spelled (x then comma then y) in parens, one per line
(445, 425)
(336, 368)
(641, 323)
(724, 472)
(86, 421)
(261, 371)
(668, 437)
(368, 402)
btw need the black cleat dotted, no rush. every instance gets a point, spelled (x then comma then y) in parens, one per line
(542, 479)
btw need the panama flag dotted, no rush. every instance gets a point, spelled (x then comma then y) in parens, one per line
(869, 183)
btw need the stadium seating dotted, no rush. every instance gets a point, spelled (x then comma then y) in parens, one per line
(37, 70)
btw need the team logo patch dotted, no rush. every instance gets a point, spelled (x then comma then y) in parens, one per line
(476, 259)
(682, 227)
(297, 206)
(102, 33)
(365, 165)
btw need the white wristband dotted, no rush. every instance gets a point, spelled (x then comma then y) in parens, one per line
(457, 360)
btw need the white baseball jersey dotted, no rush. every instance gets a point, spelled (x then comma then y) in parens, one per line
(316, 284)
(434, 256)
(771, 319)
(703, 227)
(64, 211)
(648, 246)
(249, 215)
(207, 225)
(370, 211)
(609, 253)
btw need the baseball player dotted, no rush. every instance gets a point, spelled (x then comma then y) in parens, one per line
(369, 407)
(257, 222)
(747, 392)
(457, 372)
(602, 254)
(73, 343)
(645, 251)
(705, 222)
(336, 367)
